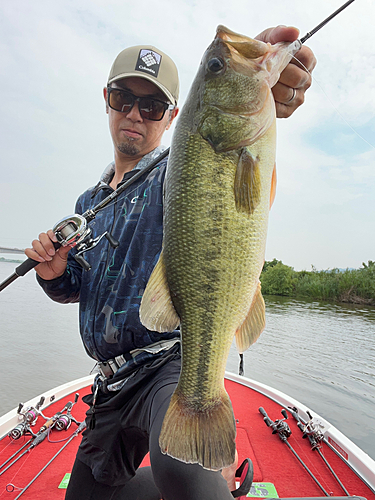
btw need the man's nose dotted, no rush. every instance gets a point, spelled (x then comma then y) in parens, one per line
(134, 114)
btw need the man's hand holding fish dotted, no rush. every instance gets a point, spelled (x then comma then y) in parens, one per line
(289, 91)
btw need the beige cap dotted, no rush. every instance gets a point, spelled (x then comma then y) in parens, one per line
(150, 63)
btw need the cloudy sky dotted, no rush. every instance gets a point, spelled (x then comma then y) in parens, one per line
(55, 58)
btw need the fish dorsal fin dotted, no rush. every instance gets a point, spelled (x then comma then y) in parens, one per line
(157, 312)
(247, 185)
(273, 186)
(254, 323)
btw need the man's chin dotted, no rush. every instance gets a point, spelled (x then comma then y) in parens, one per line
(129, 149)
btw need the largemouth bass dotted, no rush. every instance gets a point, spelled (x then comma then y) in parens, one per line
(219, 184)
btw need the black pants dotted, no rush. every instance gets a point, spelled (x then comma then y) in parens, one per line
(167, 478)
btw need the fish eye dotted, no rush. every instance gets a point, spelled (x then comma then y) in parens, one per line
(215, 65)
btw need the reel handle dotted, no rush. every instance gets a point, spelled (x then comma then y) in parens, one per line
(266, 418)
(40, 403)
(263, 411)
(114, 243)
(82, 262)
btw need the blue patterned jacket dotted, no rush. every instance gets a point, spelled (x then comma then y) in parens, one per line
(110, 293)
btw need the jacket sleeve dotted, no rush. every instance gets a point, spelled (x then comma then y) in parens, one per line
(64, 289)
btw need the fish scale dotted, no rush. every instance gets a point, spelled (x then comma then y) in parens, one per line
(216, 205)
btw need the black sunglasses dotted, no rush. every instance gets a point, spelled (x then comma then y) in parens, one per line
(149, 108)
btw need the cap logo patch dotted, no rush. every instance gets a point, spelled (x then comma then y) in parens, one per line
(148, 62)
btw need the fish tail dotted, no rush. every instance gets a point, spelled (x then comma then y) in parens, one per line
(205, 434)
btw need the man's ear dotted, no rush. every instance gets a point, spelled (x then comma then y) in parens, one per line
(105, 92)
(173, 115)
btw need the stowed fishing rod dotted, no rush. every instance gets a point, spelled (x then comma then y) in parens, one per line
(74, 231)
(282, 429)
(60, 421)
(79, 429)
(315, 436)
(40, 436)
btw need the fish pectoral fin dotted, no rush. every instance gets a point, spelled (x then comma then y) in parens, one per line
(157, 312)
(273, 186)
(254, 323)
(247, 184)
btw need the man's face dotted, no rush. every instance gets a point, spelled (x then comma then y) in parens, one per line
(132, 135)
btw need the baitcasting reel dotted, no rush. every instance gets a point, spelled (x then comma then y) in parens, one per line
(74, 231)
(279, 427)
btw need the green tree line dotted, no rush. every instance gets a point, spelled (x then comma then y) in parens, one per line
(351, 285)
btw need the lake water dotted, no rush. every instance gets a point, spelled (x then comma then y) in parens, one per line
(321, 354)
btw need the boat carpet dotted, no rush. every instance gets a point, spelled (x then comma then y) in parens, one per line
(273, 461)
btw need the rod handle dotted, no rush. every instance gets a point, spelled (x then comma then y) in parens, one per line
(39, 438)
(47, 424)
(29, 264)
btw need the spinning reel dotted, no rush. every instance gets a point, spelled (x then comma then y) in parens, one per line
(29, 417)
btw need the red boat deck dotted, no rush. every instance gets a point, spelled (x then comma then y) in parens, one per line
(273, 461)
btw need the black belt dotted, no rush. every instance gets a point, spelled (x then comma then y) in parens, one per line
(108, 368)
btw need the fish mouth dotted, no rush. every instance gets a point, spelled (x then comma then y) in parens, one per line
(243, 45)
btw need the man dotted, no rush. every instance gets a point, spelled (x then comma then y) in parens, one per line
(138, 369)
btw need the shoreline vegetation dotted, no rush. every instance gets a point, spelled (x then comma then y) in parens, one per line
(351, 286)
(3, 259)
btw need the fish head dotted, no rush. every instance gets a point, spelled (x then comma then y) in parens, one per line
(233, 86)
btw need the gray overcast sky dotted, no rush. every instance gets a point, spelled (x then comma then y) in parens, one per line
(54, 134)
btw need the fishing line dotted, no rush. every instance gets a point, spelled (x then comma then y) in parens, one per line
(332, 104)
(59, 440)
(16, 453)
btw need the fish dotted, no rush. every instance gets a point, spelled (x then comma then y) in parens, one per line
(219, 185)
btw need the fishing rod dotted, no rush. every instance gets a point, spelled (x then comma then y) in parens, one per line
(74, 231)
(16, 453)
(64, 424)
(79, 429)
(295, 46)
(40, 436)
(30, 416)
(315, 436)
(323, 23)
(283, 430)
